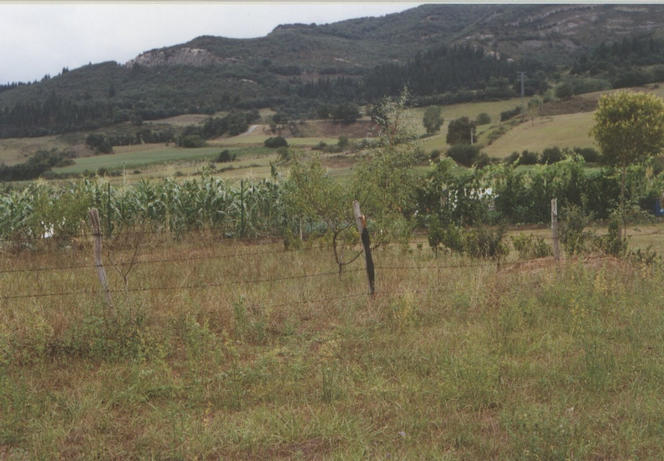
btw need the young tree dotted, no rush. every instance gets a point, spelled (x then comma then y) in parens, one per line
(391, 119)
(628, 127)
(432, 120)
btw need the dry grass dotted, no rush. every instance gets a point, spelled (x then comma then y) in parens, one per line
(451, 363)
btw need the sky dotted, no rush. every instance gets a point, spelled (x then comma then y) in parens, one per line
(41, 38)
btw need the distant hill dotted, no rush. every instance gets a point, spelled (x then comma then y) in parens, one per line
(444, 53)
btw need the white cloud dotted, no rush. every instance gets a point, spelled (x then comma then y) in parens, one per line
(39, 39)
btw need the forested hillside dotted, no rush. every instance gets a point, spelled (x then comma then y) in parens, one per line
(443, 53)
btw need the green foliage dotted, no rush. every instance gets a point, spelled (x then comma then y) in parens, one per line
(564, 91)
(460, 131)
(482, 119)
(389, 115)
(432, 119)
(629, 127)
(480, 242)
(531, 246)
(508, 114)
(483, 242)
(226, 156)
(100, 143)
(572, 230)
(191, 141)
(310, 194)
(612, 243)
(345, 113)
(37, 165)
(464, 154)
(275, 142)
(552, 155)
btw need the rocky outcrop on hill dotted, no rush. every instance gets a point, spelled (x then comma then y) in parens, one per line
(183, 56)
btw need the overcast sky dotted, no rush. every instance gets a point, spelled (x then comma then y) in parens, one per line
(38, 38)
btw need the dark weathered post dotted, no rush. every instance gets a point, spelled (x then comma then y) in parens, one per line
(554, 229)
(101, 272)
(361, 222)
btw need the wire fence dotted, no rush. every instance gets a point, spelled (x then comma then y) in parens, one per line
(225, 282)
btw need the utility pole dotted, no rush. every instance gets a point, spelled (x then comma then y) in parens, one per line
(522, 75)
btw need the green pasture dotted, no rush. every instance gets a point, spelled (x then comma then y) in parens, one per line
(569, 130)
(148, 157)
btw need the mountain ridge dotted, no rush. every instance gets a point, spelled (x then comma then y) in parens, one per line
(297, 67)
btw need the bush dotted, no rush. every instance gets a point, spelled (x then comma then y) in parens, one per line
(512, 158)
(225, 156)
(100, 143)
(528, 158)
(551, 155)
(191, 141)
(483, 119)
(343, 142)
(448, 236)
(485, 243)
(508, 114)
(589, 154)
(612, 244)
(572, 234)
(275, 142)
(564, 91)
(464, 154)
(531, 246)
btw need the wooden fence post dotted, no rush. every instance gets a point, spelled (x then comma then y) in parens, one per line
(101, 272)
(554, 229)
(361, 222)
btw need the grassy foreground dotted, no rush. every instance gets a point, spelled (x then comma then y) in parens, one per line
(474, 362)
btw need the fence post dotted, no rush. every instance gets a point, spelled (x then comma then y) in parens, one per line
(361, 222)
(554, 229)
(101, 272)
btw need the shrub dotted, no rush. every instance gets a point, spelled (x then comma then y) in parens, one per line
(528, 158)
(191, 141)
(483, 119)
(448, 236)
(551, 155)
(226, 156)
(564, 91)
(531, 246)
(464, 154)
(589, 154)
(611, 243)
(100, 143)
(485, 243)
(508, 114)
(512, 158)
(275, 142)
(572, 234)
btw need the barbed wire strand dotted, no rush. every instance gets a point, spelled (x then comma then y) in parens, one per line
(241, 282)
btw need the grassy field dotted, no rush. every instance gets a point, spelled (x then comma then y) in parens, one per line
(17, 150)
(570, 130)
(154, 154)
(236, 351)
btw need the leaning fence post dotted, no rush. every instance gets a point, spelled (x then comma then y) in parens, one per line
(361, 222)
(101, 272)
(554, 229)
